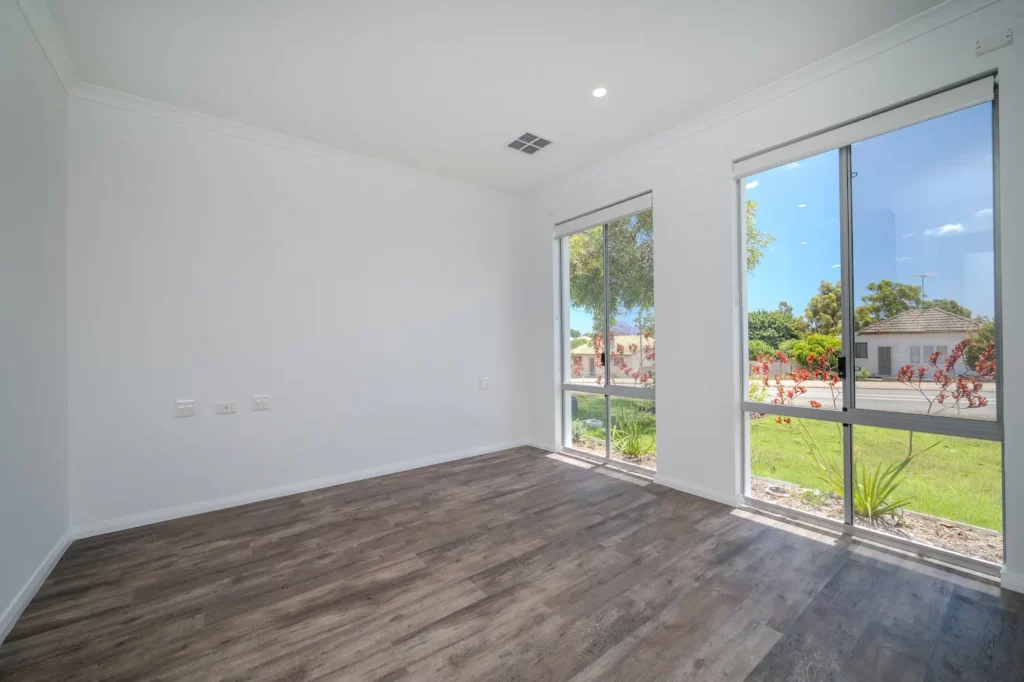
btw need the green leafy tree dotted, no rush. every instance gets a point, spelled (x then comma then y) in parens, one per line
(757, 240)
(574, 334)
(771, 326)
(984, 338)
(579, 341)
(823, 312)
(631, 262)
(819, 345)
(785, 308)
(949, 305)
(758, 347)
(886, 299)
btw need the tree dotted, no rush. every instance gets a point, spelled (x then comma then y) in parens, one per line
(823, 312)
(981, 340)
(631, 268)
(579, 341)
(785, 308)
(574, 334)
(949, 305)
(771, 326)
(757, 347)
(886, 299)
(757, 240)
(809, 351)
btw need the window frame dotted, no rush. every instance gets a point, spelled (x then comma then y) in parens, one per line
(857, 345)
(640, 203)
(850, 415)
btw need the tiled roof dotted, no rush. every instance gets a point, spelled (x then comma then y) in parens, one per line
(922, 321)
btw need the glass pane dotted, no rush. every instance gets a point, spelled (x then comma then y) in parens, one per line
(793, 283)
(633, 432)
(587, 428)
(924, 270)
(631, 286)
(797, 463)
(586, 306)
(939, 490)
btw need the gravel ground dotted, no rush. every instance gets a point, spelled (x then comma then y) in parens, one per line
(972, 541)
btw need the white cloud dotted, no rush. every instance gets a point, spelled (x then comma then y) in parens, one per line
(803, 243)
(901, 259)
(792, 166)
(984, 213)
(752, 185)
(802, 206)
(907, 235)
(949, 228)
(837, 265)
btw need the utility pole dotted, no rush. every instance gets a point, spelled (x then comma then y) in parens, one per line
(923, 277)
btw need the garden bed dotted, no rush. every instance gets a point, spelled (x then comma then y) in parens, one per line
(971, 541)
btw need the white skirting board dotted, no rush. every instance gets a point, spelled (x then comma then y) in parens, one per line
(698, 490)
(1012, 581)
(191, 509)
(32, 585)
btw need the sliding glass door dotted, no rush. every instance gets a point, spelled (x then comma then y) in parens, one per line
(871, 317)
(608, 336)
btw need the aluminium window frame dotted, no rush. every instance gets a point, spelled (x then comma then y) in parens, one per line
(640, 203)
(850, 415)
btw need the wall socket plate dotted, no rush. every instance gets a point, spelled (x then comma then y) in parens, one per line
(226, 408)
(484, 383)
(185, 408)
(260, 402)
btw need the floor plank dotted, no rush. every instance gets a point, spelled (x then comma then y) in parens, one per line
(515, 565)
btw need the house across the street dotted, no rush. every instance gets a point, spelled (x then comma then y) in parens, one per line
(909, 339)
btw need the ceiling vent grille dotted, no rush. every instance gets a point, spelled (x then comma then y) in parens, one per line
(528, 143)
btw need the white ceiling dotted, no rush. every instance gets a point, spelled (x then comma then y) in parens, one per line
(443, 86)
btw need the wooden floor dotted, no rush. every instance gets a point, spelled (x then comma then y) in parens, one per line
(510, 566)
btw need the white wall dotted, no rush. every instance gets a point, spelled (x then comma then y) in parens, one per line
(33, 378)
(365, 298)
(689, 170)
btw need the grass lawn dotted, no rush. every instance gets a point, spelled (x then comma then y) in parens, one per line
(959, 479)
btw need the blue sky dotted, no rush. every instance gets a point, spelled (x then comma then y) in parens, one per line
(922, 203)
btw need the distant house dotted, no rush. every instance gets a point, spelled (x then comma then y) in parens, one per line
(633, 360)
(909, 339)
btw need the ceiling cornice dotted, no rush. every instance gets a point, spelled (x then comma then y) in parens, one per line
(39, 19)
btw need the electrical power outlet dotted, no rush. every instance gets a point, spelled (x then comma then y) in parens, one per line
(226, 408)
(485, 383)
(184, 408)
(260, 402)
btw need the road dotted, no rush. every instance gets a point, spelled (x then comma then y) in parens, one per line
(894, 400)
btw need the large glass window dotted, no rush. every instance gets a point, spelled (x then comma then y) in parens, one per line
(924, 267)
(871, 391)
(608, 294)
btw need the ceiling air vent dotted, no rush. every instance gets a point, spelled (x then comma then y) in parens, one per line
(528, 143)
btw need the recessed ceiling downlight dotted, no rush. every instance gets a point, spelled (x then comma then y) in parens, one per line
(600, 92)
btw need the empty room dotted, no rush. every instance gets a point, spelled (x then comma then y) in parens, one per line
(467, 340)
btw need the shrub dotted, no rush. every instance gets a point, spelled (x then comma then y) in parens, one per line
(757, 392)
(864, 373)
(630, 436)
(757, 347)
(818, 345)
(579, 430)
